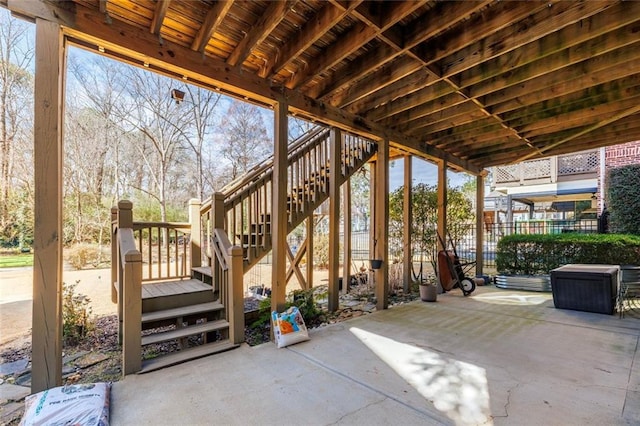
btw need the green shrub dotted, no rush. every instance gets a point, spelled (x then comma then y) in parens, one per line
(538, 254)
(305, 300)
(80, 256)
(76, 314)
(623, 199)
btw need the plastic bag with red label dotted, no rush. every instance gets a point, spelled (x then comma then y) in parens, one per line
(289, 327)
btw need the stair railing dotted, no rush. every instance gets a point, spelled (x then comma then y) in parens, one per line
(128, 279)
(247, 201)
(229, 270)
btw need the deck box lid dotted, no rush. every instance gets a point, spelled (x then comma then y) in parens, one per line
(593, 269)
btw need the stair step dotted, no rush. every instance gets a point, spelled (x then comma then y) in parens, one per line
(181, 312)
(175, 294)
(202, 270)
(184, 332)
(186, 355)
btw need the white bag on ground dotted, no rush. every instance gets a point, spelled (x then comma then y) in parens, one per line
(289, 327)
(81, 404)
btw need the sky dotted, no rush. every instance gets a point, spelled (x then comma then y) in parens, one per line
(423, 172)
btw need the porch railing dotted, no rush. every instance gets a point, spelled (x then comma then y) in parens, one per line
(549, 170)
(164, 247)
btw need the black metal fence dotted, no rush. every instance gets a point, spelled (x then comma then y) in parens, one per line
(461, 236)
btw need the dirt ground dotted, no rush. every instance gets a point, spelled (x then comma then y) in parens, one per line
(16, 295)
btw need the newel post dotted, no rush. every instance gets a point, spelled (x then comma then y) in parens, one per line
(195, 241)
(124, 220)
(236, 296)
(132, 301)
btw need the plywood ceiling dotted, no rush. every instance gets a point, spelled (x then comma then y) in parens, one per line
(482, 83)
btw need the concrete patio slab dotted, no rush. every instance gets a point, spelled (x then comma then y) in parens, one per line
(497, 357)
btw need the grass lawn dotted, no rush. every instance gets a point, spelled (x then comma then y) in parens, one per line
(15, 260)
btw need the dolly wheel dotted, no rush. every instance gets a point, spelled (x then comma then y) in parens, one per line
(467, 285)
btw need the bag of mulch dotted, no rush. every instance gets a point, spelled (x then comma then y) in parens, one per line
(289, 327)
(81, 404)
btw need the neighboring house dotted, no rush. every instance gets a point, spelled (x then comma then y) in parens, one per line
(557, 187)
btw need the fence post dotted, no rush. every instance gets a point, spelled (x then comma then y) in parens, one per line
(195, 240)
(132, 300)
(114, 254)
(235, 295)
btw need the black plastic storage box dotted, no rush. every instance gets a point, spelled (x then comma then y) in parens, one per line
(590, 288)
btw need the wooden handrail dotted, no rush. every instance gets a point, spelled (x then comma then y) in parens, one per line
(231, 287)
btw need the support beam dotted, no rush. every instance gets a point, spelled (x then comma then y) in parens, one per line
(381, 228)
(334, 218)
(88, 28)
(479, 225)
(509, 226)
(407, 216)
(218, 223)
(294, 265)
(372, 215)
(310, 224)
(346, 244)
(48, 165)
(442, 203)
(279, 209)
(195, 240)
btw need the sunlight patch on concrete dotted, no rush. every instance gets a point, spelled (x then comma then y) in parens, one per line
(457, 389)
(513, 298)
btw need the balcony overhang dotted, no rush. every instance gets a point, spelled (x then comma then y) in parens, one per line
(576, 190)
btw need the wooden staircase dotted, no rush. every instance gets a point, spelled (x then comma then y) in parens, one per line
(247, 208)
(188, 312)
(202, 312)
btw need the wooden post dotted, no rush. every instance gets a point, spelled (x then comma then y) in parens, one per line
(510, 225)
(372, 216)
(381, 229)
(114, 254)
(132, 301)
(479, 225)
(442, 203)
(48, 166)
(346, 245)
(125, 221)
(279, 209)
(195, 240)
(407, 216)
(218, 212)
(334, 218)
(310, 251)
(236, 296)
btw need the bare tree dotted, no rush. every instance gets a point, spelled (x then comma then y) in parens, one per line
(16, 112)
(102, 90)
(245, 140)
(201, 104)
(159, 120)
